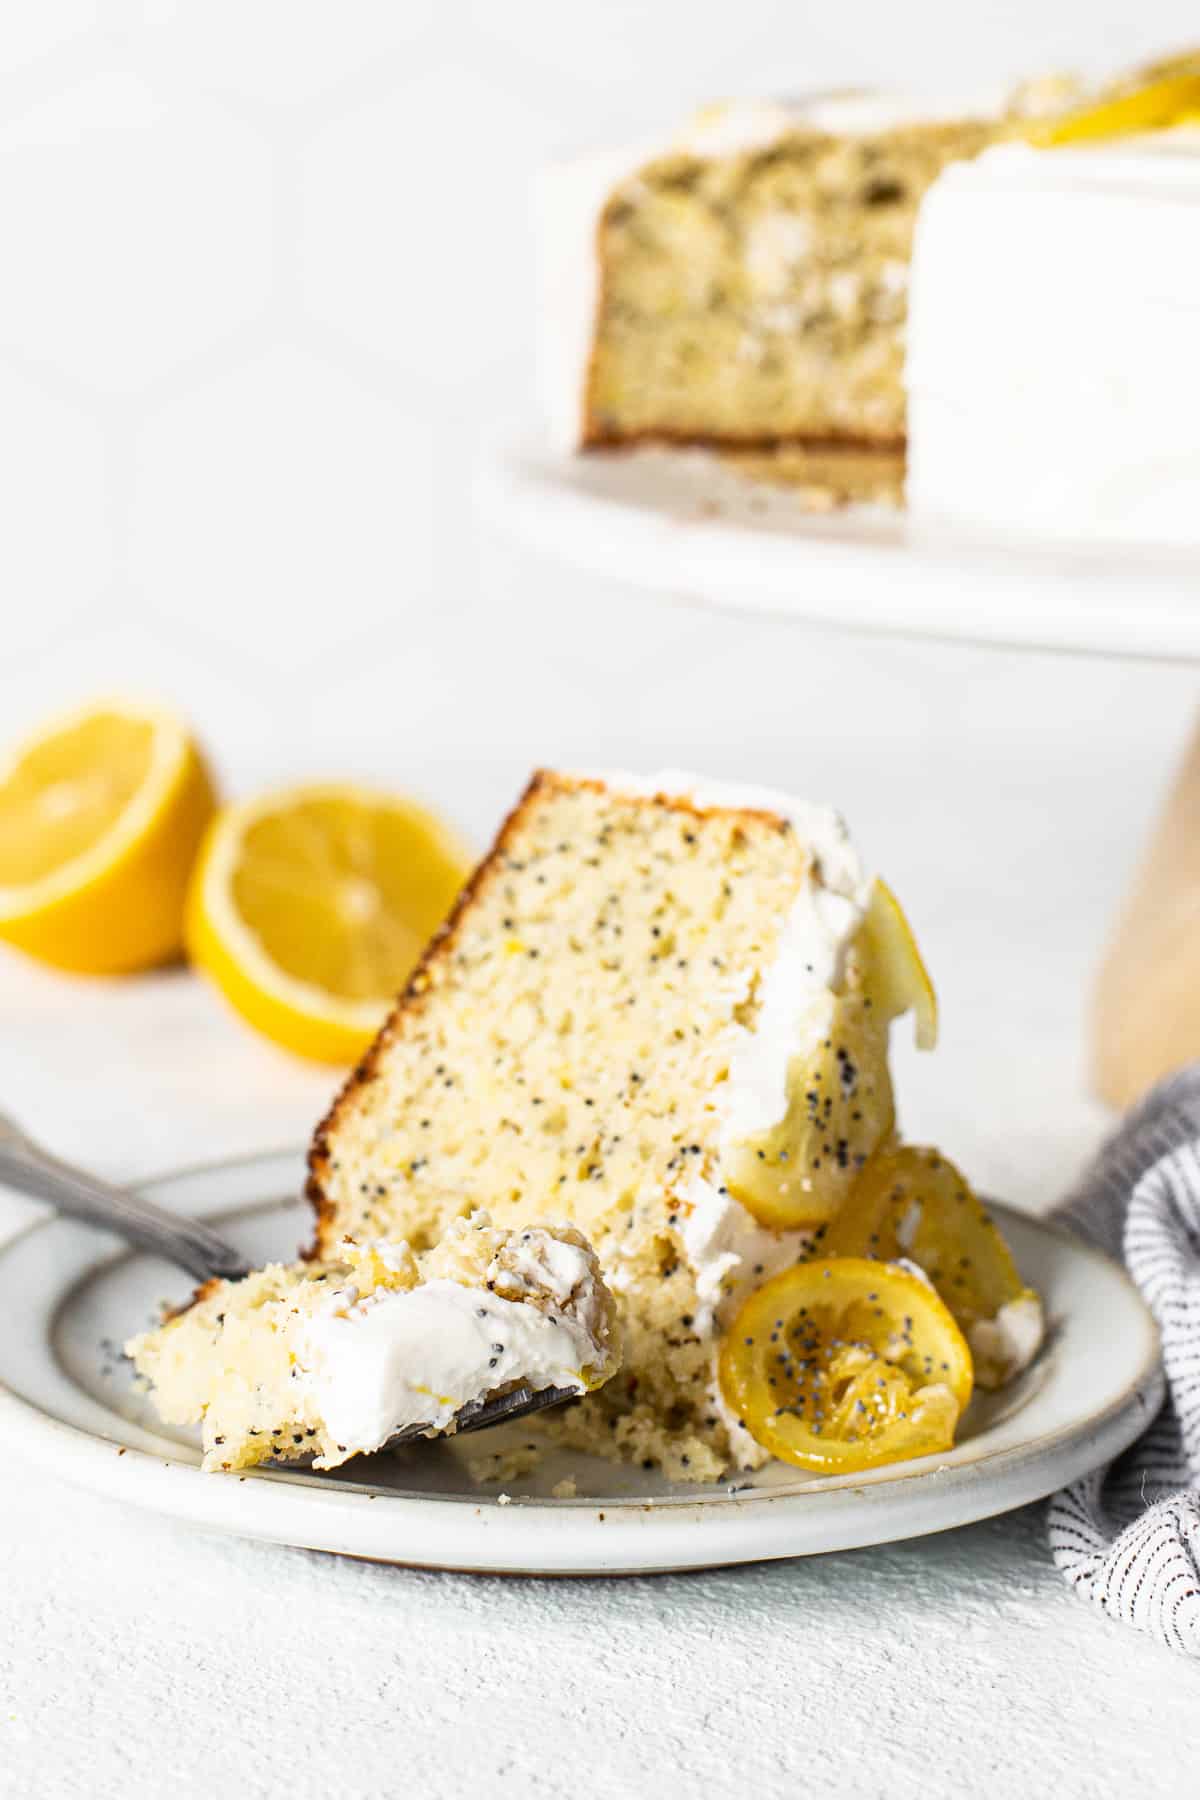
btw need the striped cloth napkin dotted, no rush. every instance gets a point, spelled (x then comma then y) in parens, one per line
(1128, 1537)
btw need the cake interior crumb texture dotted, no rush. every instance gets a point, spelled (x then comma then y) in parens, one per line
(759, 298)
(561, 1052)
(244, 1359)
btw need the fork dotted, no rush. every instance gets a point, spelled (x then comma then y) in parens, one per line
(29, 1169)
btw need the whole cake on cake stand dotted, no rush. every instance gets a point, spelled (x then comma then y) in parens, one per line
(899, 368)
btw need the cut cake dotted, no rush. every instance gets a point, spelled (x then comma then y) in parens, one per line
(1053, 380)
(323, 1361)
(660, 1012)
(744, 283)
(656, 1006)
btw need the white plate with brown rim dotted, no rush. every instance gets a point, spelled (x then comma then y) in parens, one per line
(69, 1296)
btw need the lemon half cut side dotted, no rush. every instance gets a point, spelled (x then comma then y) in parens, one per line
(101, 814)
(310, 907)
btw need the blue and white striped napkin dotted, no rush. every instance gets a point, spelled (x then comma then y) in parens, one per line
(1128, 1537)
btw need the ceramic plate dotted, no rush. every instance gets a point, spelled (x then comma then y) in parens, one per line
(69, 1297)
(684, 526)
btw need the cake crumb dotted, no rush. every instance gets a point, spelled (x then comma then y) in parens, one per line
(564, 1489)
(503, 1499)
(504, 1465)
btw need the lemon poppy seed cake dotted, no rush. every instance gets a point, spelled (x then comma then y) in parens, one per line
(743, 282)
(324, 1361)
(661, 1011)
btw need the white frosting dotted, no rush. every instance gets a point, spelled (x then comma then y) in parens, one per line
(1013, 1338)
(729, 1251)
(857, 112)
(734, 127)
(795, 1009)
(540, 1263)
(906, 1229)
(569, 198)
(1054, 310)
(912, 1268)
(401, 1358)
(731, 1254)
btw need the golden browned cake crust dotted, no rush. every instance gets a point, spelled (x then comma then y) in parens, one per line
(408, 1004)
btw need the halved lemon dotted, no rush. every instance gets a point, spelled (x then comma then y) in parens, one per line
(845, 1365)
(101, 814)
(310, 907)
(897, 979)
(910, 1201)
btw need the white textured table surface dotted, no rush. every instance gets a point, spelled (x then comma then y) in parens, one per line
(959, 1664)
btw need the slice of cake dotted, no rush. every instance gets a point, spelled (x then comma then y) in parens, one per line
(661, 1012)
(324, 1361)
(661, 1009)
(744, 283)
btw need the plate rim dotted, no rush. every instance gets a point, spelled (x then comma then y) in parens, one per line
(991, 1484)
(530, 491)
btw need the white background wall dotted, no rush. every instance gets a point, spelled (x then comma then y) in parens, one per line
(264, 295)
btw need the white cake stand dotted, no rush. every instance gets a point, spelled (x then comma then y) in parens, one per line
(683, 526)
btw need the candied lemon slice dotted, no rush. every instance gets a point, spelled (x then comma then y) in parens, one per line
(896, 979)
(845, 1365)
(309, 908)
(101, 815)
(839, 1109)
(910, 1201)
(1155, 105)
(840, 1106)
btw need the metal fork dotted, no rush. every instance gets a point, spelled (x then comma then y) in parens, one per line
(27, 1168)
